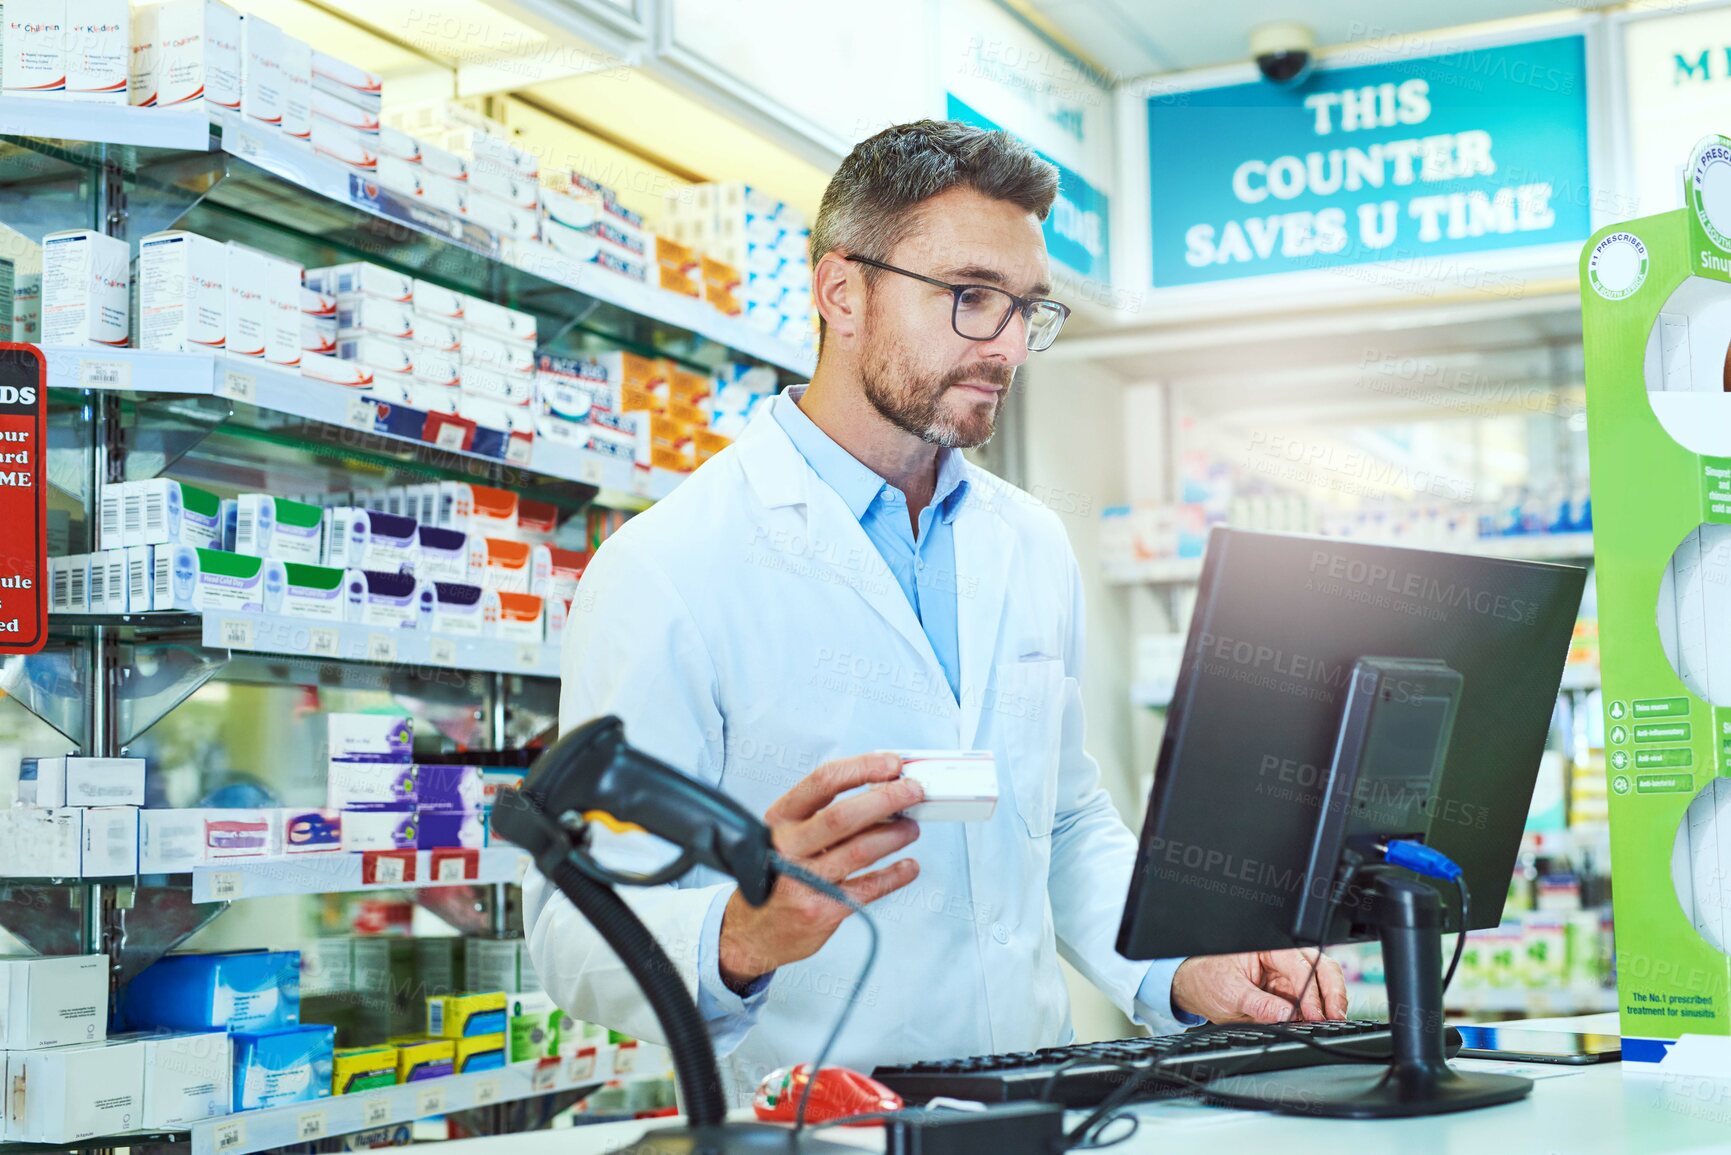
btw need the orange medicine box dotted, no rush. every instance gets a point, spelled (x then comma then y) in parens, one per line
(707, 443)
(720, 276)
(678, 281)
(682, 259)
(723, 301)
(688, 386)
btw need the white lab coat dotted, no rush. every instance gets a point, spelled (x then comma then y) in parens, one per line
(746, 630)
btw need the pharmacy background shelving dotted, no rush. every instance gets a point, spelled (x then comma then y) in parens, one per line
(1527, 547)
(264, 1130)
(124, 414)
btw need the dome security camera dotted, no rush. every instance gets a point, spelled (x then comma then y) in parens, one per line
(1283, 52)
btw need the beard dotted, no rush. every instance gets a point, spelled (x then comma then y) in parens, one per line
(922, 403)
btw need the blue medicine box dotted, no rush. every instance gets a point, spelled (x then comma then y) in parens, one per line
(292, 1065)
(236, 991)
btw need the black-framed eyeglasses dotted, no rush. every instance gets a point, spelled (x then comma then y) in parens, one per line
(980, 312)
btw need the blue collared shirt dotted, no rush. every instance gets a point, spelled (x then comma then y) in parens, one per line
(924, 565)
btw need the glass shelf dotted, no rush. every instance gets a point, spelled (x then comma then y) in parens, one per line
(263, 189)
(290, 434)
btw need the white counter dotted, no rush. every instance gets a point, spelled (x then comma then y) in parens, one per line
(1585, 1111)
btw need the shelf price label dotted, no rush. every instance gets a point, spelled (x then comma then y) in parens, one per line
(237, 633)
(442, 652)
(228, 1136)
(238, 386)
(589, 470)
(360, 413)
(104, 374)
(226, 884)
(529, 655)
(430, 1101)
(545, 1076)
(381, 648)
(24, 592)
(324, 642)
(376, 1111)
(640, 480)
(486, 1091)
(310, 1125)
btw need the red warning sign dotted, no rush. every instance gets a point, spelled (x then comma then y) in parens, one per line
(23, 500)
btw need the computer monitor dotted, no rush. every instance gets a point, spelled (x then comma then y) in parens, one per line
(1335, 696)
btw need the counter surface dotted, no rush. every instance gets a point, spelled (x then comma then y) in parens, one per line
(1571, 1111)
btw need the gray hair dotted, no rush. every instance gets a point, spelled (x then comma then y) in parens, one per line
(873, 199)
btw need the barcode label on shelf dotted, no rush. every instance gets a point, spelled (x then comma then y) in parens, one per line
(241, 143)
(528, 654)
(104, 375)
(310, 1125)
(227, 884)
(323, 642)
(546, 1073)
(450, 436)
(376, 1111)
(229, 1136)
(579, 1067)
(360, 413)
(238, 386)
(589, 471)
(640, 482)
(625, 1059)
(486, 1091)
(451, 870)
(237, 633)
(381, 648)
(517, 451)
(388, 870)
(430, 1101)
(442, 652)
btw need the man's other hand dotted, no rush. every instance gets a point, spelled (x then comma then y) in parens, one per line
(835, 840)
(1269, 986)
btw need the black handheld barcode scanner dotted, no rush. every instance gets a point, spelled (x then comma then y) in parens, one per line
(593, 774)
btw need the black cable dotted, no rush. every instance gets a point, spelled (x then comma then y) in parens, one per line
(1079, 1136)
(829, 890)
(687, 1034)
(1465, 896)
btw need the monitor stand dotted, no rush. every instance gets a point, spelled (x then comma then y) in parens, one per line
(1416, 1079)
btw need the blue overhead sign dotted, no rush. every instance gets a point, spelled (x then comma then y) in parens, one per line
(1078, 233)
(1407, 161)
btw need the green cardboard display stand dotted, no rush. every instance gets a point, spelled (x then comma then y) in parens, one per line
(1651, 395)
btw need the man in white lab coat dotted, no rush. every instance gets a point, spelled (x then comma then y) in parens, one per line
(842, 581)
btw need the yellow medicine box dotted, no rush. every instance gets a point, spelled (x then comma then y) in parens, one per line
(462, 1016)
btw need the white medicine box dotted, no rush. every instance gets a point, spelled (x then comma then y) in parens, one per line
(182, 292)
(68, 1094)
(86, 288)
(53, 1001)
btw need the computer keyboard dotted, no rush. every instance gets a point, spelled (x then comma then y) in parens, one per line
(1097, 1069)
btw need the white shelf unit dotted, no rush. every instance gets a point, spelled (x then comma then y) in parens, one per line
(284, 391)
(248, 1131)
(352, 642)
(1370, 999)
(1527, 547)
(62, 118)
(295, 161)
(344, 871)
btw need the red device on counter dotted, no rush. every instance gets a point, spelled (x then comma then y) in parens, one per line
(838, 1093)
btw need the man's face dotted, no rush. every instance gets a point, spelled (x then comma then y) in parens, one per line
(917, 370)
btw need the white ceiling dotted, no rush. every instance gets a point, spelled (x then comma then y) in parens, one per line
(1131, 38)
